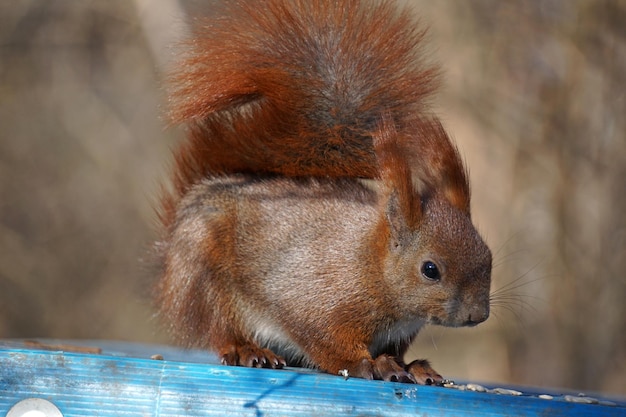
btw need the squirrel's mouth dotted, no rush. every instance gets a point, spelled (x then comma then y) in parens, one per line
(469, 320)
(472, 323)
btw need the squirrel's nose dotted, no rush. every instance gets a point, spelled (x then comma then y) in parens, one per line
(477, 316)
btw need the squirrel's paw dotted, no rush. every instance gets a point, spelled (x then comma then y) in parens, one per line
(423, 373)
(387, 368)
(251, 356)
(384, 367)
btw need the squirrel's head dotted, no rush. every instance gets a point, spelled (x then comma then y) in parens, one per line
(441, 267)
(437, 264)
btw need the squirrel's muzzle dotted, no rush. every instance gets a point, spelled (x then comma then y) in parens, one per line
(477, 315)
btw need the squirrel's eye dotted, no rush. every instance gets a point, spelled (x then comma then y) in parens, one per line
(430, 271)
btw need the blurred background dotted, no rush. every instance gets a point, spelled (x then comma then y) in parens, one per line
(534, 95)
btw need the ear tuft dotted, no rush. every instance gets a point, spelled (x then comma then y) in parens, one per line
(403, 202)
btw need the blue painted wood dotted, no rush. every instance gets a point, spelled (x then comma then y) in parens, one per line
(118, 383)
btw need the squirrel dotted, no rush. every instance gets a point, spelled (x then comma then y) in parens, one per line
(319, 214)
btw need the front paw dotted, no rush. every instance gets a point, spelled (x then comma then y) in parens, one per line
(384, 368)
(387, 368)
(423, 373)
(250, 356)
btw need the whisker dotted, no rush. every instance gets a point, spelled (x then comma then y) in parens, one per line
(514, 235)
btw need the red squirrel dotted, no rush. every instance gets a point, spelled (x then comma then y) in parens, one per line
(319, 214)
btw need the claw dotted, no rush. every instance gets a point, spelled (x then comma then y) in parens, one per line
(388, 368)
(251, 356)
(423, 373)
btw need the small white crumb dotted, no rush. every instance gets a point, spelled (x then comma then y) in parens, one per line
(476, 388)
(505, 391)
(580, 399)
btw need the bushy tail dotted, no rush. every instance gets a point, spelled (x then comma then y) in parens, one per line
(296, 87)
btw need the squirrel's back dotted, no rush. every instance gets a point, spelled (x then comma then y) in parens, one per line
(296, 88)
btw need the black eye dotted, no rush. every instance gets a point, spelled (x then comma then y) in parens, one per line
(430, 271)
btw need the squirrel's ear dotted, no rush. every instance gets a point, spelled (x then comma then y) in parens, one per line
(403, 202)
(436, 162)
(397, 221)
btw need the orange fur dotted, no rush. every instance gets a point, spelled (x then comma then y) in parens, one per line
(274, 250)
(296, 87)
